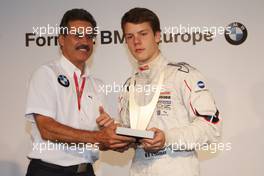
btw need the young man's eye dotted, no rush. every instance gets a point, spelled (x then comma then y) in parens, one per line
(129, 37)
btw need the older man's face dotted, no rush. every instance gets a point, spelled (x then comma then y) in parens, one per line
(77, 46)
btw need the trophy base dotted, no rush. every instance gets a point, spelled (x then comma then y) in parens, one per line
(134, 133)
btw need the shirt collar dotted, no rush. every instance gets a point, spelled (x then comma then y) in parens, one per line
(70, 68)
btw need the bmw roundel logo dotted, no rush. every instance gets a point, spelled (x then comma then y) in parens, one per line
(201, 84)
(236, 33)
(63, 80)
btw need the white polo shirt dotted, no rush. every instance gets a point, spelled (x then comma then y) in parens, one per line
(52, 92)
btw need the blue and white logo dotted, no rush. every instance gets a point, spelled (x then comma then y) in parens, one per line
(236, 33)
(63, 80)
(201, 84)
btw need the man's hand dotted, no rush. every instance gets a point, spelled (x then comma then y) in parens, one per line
(155, 144)
(104, 120)
(107, 136)
(108, 139)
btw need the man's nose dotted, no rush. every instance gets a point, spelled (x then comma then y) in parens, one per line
(137, 39)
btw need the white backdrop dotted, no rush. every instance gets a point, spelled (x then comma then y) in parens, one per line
(234, 73)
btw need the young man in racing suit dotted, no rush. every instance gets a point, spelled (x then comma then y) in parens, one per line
(185, 117)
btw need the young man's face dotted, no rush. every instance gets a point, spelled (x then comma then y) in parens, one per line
(141, 41)
(76, 45)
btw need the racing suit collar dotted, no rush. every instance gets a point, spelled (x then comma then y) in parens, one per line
(150, 70)
(71, 69)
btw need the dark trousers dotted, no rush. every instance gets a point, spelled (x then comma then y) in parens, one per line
(39, 168)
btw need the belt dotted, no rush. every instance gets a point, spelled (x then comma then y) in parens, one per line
(80, 168)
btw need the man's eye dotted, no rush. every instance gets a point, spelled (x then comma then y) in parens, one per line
(90, 36)
(79, 35)
(144, 33)
(128, 36)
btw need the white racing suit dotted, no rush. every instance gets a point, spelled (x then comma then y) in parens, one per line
(185, 112)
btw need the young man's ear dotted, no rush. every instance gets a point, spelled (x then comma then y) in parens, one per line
(157, 36)
(61, 40)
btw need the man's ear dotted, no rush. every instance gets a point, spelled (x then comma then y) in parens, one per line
(61, 39)
(157, 36)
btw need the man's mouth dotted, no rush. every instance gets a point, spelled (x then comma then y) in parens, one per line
(139, 50)
(83, 48)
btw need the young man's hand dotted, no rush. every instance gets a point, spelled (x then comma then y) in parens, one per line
(155, 144)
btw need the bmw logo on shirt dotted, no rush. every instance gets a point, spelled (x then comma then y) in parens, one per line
(63, 80)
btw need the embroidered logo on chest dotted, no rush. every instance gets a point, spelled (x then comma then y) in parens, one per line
(63, 80)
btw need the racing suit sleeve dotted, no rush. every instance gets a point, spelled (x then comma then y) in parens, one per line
(204, 124)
